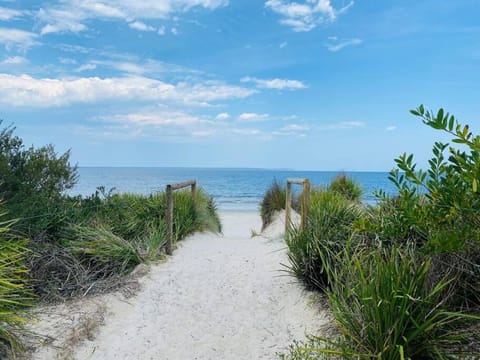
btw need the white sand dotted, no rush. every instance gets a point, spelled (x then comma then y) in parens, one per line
(218, 297)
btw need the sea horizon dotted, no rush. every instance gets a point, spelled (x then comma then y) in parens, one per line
(232, 188)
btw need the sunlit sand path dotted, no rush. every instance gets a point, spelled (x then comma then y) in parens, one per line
(218, 297)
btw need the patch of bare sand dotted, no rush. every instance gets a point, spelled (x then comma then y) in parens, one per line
(218, 297)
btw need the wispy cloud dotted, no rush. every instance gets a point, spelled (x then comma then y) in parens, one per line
(391, 128)
(141, 26)
(305, 16)
(86, 67)
(345, 125)
(336, 45)
(10, 14)
(28, 91)
(71, 15)
(14, 60)
(253, 117)
(17, 38)
(280, 84)
(222, 116)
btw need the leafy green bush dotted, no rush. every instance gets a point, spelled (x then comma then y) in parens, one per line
(32, 181)
(346, 187)
(385, 309)
(329, 228)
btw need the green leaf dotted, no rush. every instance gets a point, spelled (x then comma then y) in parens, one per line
(475, 185)
(440, 115)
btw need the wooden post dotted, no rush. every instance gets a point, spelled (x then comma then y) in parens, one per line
(288, 205)
(169, 220)
(305, 203)
(169, 210)
(194, 189)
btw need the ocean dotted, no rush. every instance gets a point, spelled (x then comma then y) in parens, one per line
(232, 189)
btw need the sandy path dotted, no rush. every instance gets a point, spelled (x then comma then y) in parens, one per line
(218, 297)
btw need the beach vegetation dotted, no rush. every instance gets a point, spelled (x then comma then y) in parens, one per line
(76, 245)
(273, 201)
(15, 295)
(347, 187)
(403, 276)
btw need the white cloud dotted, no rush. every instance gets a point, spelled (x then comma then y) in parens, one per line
(302, 17)
(17, 38)
(337, 45)
(253, 117)
(27, 91)
(283, 44)
(86, 67)
(14, 60)
(346, 125)
(280, 84)
(70, 15)
(165, 118)
(295, 127)
(134, 66)
(161, 30)
(140, 26)
(67, 61)
(9, 14)
(391, 128)
(174, 31)
(222, 116)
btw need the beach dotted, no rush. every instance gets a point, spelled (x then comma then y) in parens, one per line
(218, 297)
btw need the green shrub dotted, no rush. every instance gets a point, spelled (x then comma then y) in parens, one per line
(14, 293)
(346, 187)
(101, 250)
(329, 228)
(386, 309)
(32, 181)
(274, 200)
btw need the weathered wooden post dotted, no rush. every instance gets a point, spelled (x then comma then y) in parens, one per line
(169, 211)
(194, 189)
(305, 202)
(288, 206)
(169, 220)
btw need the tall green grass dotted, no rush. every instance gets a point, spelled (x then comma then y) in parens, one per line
(105, 237)
(14, 293)
(347, 187)
(329, 228)
(385, 308)
(274, 200)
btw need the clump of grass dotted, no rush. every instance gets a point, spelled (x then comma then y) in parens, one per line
(99, 249)
(329, 228)
(15, 296)
(274, 200)
(347, 187)
(385, 308)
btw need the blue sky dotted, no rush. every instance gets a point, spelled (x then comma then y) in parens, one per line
(312, 84)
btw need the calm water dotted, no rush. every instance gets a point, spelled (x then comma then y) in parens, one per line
(233, 189)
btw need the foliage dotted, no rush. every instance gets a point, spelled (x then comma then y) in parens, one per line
(102, 238)
(97, 247)
(346, 187)
(329, 228)
(385, 309)
(32, 181)
(273, 200)
(405, 284)
(14, 293)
